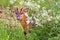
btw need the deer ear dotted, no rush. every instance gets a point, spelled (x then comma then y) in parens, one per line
(21, 9)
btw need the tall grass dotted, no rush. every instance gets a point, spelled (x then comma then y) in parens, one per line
(8, 32)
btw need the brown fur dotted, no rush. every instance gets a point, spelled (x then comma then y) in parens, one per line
(24, 23)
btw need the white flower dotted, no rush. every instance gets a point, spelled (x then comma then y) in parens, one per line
(49, 10)
(36, 20)
(57, 17)
(56, 21)
(12, 1)
(38, 6)
(44, 14)
(21, 2)
(49, 19)
(43, 0)
(29, 3)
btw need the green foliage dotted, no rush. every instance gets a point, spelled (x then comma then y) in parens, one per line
(54, 38)
(46, 11)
